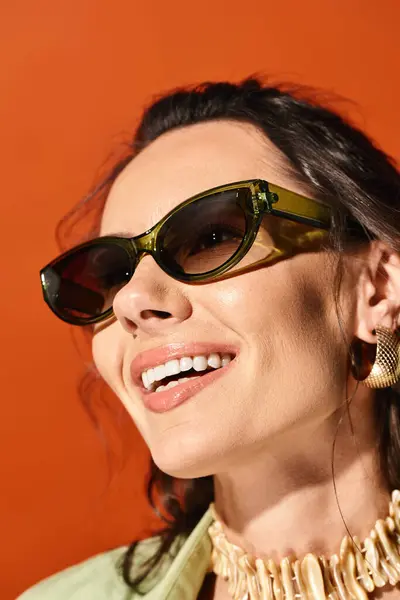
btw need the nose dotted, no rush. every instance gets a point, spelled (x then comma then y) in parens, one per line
(152, 302)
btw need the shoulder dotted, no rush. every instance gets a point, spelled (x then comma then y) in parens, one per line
(179, 574)
(97, 578)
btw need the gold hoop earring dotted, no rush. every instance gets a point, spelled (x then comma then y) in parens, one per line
(377, 366)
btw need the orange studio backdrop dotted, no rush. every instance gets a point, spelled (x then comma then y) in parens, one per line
(74, 76)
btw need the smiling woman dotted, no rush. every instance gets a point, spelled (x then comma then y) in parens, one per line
(249, 326)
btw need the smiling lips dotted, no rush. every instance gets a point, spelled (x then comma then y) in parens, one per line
(168, 376)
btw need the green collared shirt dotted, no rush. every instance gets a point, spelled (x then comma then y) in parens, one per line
(98, 578)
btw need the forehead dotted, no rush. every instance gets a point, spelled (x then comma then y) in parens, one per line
(185, 162)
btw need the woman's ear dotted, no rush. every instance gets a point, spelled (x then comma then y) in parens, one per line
(378, 291)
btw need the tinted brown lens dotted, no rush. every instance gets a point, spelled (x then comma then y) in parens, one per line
(84, 283)
(205, 234)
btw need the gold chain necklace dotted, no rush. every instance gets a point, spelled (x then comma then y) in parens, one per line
(352, 574)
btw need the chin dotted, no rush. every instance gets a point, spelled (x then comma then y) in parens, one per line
(183, 463)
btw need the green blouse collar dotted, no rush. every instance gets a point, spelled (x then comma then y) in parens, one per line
(183, 577)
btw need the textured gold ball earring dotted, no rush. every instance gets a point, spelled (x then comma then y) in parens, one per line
(377, 366)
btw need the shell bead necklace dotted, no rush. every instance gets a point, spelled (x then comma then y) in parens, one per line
(352, 574)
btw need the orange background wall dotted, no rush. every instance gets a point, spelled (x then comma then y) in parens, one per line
(74, 75)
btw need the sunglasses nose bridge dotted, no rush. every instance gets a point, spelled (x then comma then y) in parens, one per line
(145, 244)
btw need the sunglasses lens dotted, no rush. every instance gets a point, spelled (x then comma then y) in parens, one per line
(205, 234)
(84, 283)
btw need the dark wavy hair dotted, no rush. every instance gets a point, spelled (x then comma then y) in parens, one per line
(341, 166)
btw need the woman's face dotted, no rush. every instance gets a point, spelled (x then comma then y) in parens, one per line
(278, 322)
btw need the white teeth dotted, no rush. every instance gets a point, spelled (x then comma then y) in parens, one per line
(176, 366)
(159, 372)
(145, 379)
(199, 363)
(226, 359)
(183, 379)
(150, 376)
(171, 384)
(186, 363)
(172, 368)
(214, 361)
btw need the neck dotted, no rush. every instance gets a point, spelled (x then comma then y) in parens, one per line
(282, 501)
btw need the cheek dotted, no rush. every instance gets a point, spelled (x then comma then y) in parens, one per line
(286, 318)
(236, 302)
(109, 347)
(282, 302)
(107, 351)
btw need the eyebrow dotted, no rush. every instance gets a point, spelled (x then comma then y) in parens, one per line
(127, 233)
(122, 234)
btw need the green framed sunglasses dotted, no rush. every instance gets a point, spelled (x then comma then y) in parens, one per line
(218, 233)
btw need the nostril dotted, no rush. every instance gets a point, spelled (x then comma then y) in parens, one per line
(130, 325)
(161, 314)
(155, 314)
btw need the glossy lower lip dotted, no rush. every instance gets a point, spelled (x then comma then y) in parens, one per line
(160, 402)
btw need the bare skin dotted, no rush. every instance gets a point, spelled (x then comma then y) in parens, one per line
(265, 429)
